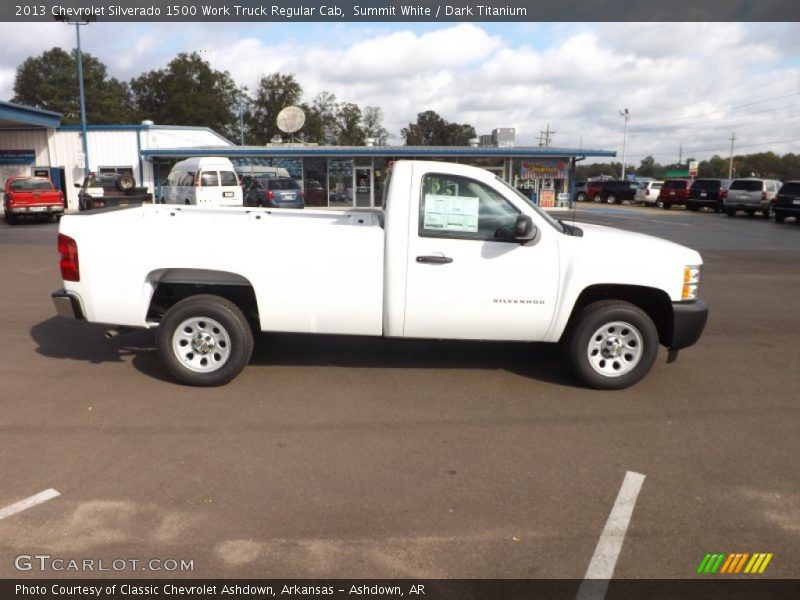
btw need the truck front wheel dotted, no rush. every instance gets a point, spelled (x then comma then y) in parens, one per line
(204, 340)
(613, 345)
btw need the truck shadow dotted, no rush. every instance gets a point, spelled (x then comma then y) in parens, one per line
(75, 340)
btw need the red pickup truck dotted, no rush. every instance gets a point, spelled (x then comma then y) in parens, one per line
(31, 196)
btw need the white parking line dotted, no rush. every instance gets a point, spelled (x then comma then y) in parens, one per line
(601, 567)
(18, 507)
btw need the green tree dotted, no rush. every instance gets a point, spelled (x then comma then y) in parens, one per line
(50, 81)
(432, 130)
(647, 167)
(188, 92)
(372, 124)
(348, 118)
(321, 125)
(274, 93)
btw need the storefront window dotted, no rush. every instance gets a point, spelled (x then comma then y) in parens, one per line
(315, 181)
(340, 182)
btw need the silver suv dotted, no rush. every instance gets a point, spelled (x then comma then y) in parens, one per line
(751, 195)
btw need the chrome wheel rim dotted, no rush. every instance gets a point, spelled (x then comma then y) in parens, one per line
(615, 349)
(201, 344)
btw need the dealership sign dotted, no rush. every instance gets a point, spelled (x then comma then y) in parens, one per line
(544, 169)
(17, 157)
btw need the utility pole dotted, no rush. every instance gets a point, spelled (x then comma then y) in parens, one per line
(680, 154)
(545, 136)
(625, 114)
(730, 162)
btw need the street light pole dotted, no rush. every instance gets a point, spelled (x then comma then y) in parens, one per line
(83, 101)
(625, 114)
(242, 90)
(78, 25)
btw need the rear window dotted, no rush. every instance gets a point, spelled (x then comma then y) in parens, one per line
(209, 178)
(707, 185)
(283, 184)
(24, 185)
(793, 187)
(228, 178)
(748, 185)
(673, 185)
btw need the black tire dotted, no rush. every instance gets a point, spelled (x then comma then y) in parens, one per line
(730, 212)
(597, 198)
(767, 213)
(611, 199)
(580, 197)
(751, 213)
(693, 207)
(225, 328)
(666, 205)
(11, 219)
(780, 218)
(628, 317)
(125, 182)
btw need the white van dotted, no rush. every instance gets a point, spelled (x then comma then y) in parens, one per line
(204, 180)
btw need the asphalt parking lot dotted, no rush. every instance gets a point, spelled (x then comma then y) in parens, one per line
(353, 457)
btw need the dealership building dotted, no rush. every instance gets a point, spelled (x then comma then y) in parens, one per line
(33, 141)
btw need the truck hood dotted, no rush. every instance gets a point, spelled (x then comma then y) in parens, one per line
(634, 248)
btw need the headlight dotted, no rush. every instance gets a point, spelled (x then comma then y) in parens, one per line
(691, 282)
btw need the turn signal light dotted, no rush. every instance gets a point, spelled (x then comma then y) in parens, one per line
(691, 283)
(68, 250)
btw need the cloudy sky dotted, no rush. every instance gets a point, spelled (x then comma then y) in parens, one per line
(684, 83)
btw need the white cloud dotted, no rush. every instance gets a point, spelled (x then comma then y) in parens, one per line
(683, 82)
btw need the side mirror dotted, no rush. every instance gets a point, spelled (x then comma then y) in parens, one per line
(524, 229)
(77, 185)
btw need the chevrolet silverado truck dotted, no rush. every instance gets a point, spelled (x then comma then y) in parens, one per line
(103, 190)
(31, 197)
(454, 253)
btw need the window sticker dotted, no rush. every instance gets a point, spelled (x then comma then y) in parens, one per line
(451, 213)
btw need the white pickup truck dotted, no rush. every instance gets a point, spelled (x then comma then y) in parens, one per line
(455, 253)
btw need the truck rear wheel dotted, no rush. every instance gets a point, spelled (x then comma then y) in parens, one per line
(204, 340)
(613, 345)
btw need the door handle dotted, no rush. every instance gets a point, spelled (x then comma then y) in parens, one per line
(435, 260)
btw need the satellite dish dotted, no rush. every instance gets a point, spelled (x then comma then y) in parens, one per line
(291, 119)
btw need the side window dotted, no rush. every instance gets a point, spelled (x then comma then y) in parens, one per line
(457, 207)
(228, 178)
(186, 179)
(209, 178)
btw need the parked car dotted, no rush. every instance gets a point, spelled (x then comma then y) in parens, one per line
(615, 191)
(673, 193)
(787, 202)
(647, 192)
(274, 192)
(31, 196)
(751, 195)
(579, 194)
(708, 193)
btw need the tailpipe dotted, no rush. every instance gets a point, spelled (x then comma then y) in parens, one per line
(115, 332)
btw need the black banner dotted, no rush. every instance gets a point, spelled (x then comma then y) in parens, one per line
(402, 10)
(384, 589)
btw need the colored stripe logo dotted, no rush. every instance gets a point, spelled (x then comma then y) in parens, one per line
(733, 563)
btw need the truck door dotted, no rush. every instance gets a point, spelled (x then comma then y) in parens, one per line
(467, 278)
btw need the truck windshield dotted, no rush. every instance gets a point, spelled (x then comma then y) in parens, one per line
(550, 220)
